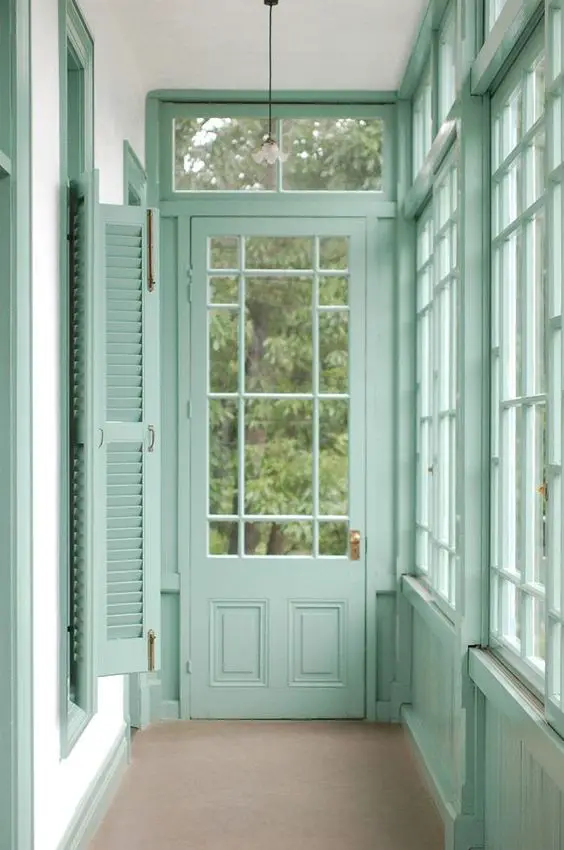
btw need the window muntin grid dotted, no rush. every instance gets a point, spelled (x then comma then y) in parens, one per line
(437, 299)
(519, 531)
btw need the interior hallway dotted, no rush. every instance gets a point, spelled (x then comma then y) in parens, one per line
(281, 786)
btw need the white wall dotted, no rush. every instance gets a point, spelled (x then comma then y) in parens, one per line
(60, 785)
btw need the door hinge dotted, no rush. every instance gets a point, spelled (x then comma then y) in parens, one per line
(189, 409)
(188, 666)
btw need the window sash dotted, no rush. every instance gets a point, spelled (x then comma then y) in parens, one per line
(518, 560)
(437, 312)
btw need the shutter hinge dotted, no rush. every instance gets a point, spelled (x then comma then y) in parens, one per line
(151, 282)
(189, 667)
(189, 409)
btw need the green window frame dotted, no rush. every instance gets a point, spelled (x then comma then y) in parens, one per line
(437, 387)
(134, 178)
(447, 63)
(554, 680)
(519, 393)
(251, 106)
(494, 9)
(77, 679)
(422, 120)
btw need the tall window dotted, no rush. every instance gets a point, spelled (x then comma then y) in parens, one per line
(437, 299)
(519, 531)
(555, 221)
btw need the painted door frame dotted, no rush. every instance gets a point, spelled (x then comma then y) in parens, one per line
(16, 748)
(380, 305)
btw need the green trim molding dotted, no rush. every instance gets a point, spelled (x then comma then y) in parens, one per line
(98, 798)
(16, 610)
(134, 178)
(520, 709)
(73, 33)
(516, 22)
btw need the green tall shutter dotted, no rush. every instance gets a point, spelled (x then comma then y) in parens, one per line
(129, 589)
(82, 202)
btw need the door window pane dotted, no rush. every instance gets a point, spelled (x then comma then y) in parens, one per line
(278, 538)
(333, 457)
(278, 457)
(333, 351)
(278, 331)
(223, 337)
(224, 458)
(333, 538)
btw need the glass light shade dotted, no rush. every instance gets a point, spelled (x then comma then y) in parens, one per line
(269, 152)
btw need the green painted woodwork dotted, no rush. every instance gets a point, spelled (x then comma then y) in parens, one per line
(517, 20)
(16, 706)
(298, 617)
(76, 94)
(134, 178)
(127, 429)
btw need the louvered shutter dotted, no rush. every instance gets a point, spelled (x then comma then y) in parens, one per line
(81, 210)
(129, 590)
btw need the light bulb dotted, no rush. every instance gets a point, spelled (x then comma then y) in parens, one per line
(269, 152)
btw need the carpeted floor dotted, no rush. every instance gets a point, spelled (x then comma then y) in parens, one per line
(271, 786)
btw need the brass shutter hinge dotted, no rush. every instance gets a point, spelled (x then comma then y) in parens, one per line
(151, 640)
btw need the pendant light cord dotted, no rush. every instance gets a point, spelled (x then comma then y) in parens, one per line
(270, 71)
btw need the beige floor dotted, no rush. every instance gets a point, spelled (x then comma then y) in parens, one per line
(271, 786)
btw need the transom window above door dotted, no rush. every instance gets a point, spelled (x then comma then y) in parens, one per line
(278, 395)
(335, 152)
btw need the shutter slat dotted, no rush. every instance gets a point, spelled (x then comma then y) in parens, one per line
(125, 536)
(124, 322)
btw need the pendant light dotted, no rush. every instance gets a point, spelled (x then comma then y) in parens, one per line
(269, 151)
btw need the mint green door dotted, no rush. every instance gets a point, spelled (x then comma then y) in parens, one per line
(278, 599)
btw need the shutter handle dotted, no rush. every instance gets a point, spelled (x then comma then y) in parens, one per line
(151, 271)
(152, 438)
(101, 443)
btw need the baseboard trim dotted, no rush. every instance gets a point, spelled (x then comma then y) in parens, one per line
(462, 832)
(170, 709)
(97, 799)
(446, 809)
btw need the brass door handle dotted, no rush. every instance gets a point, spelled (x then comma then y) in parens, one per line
(354, 545)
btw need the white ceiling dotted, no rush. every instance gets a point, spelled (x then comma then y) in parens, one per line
(222, 44)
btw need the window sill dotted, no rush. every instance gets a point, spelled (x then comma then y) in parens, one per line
(76, 722)
(521, 709)
(424, 602)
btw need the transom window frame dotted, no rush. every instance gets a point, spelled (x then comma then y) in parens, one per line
(437, 409)
(531, 595)
(252, 105)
